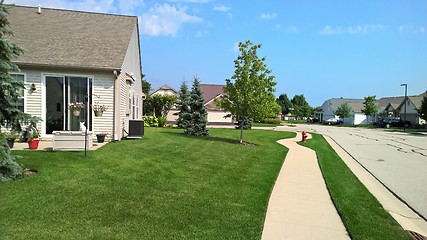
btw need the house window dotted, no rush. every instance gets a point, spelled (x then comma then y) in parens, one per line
(19, 104)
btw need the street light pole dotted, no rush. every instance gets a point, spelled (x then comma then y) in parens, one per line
(404, 114)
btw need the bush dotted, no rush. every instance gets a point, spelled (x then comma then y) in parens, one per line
(151, 121)
(162, 121)
(271, 121)
(9, 168)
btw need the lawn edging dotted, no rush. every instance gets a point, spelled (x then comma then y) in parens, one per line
(361, 213)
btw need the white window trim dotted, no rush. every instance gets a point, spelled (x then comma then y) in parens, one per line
(43, 96)
(25, 88)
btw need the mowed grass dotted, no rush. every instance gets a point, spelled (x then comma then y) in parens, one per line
(164, 186)
(363, 216)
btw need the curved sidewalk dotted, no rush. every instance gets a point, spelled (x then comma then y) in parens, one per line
(300, 206)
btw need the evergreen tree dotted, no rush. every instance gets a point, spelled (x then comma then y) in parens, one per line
(9, 87)
(9, 92)
(183, 106)
(198, 114)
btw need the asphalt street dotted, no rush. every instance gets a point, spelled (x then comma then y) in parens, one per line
(397, 159)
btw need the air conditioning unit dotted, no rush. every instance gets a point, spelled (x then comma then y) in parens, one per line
(136, 129)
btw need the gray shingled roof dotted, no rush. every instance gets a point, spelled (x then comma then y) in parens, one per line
(356, 105)
(64, 38)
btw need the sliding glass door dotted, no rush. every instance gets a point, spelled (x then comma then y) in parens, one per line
(59, 92)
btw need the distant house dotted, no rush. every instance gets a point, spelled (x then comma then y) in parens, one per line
(165, 90)
(216, 115)
(388, 106)
(210, 92)
(328, 108)
(413, 104)
(168, 90)
(72, 56)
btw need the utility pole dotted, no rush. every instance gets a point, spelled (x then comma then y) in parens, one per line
(404, 114)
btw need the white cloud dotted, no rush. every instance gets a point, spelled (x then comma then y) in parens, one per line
(268, 16)
(412, 29)
(352, 30)
(191, 1)
(202, 34)
(221, 8)
(292, 29)
(165, 20)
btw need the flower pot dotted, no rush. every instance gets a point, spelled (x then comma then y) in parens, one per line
(98, 113)
(76, 113)
(33, 144)
(100, 138)
(10, 142)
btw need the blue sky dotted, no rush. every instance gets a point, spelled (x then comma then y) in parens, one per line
(319, 48)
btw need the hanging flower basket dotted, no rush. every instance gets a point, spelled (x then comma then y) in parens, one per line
(98, 113)
(76, 107)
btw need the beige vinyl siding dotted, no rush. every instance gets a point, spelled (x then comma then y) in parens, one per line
(131, 65)
(103, 87)
(33, 100)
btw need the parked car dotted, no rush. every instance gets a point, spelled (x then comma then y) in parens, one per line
(393, 122)
(332, 121)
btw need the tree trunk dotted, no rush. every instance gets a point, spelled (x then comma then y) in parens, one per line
(241, 132)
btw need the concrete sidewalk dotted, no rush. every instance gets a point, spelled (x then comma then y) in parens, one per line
(300, 206)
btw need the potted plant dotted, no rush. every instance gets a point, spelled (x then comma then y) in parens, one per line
(100, 137)
(33, 141)
(76, 107)
(99, 109)
(11, 137)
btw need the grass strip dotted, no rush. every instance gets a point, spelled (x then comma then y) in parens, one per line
(164, 186)
(362, 214)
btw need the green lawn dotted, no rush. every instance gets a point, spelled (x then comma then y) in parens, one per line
(362, 214)
(265, 125)
(164, 186)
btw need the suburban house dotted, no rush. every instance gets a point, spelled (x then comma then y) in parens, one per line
(328, 108)
(74, 56)
(210, 92)
(168, 90)
(216, 115)
(386, 107)
(413, 104)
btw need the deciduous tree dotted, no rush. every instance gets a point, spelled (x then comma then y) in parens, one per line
(249, 92)
(284, 103)
(423, 109)
(301, 106)
(343, 111)
(369, 106)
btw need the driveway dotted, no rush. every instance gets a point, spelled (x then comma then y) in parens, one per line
(397, 159)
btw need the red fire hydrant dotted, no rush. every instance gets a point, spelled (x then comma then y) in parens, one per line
(304, 137)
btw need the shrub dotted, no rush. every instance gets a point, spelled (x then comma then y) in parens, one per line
(151, 121)
(162, 121)
(271, 121)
